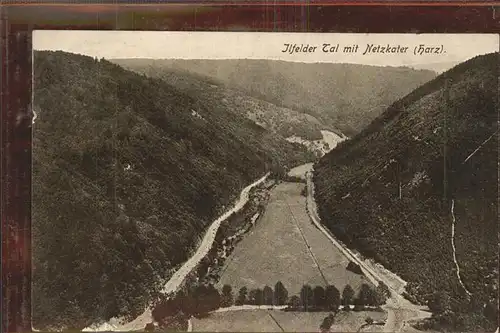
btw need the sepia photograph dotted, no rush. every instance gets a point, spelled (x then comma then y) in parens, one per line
(264, 182)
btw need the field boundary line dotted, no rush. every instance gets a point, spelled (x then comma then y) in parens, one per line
(307, 244)
(274, 319)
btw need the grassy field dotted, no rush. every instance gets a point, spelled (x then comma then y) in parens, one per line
(285, 246)
(278, 321)
(301, 170)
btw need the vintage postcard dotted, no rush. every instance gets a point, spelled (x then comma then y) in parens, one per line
(265, 182)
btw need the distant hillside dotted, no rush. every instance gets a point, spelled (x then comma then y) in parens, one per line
(343, 96)
(428, 162)
(128, 171)
(284, 121)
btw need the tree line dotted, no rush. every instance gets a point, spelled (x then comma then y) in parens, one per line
(329, 298)
(201, 299)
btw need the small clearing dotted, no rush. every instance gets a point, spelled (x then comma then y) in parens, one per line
(330, 141)
(301, 170)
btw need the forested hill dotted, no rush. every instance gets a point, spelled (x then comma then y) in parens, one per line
(282, 120)
(395, 190)
(343, 96)
(127, 173)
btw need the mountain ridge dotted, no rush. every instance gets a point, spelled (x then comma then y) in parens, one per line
(343, 96)
(417, 188)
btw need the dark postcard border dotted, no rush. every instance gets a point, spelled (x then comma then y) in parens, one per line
(18, 22)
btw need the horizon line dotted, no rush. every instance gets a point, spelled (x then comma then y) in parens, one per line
(453, 62)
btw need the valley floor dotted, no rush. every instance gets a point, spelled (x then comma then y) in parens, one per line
(285, 246)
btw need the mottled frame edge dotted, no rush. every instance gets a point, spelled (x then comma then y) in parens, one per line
(19, 20)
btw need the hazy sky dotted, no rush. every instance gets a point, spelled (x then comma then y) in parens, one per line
(256, 45)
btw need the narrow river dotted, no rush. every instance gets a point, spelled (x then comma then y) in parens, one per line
(117, 324)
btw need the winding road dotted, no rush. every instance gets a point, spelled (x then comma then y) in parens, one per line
(173, 284)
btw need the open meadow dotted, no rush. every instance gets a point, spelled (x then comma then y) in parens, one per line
(279, 321)
(285, 246)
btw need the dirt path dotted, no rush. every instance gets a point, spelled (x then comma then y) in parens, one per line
(454, 249)
(176, 280)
